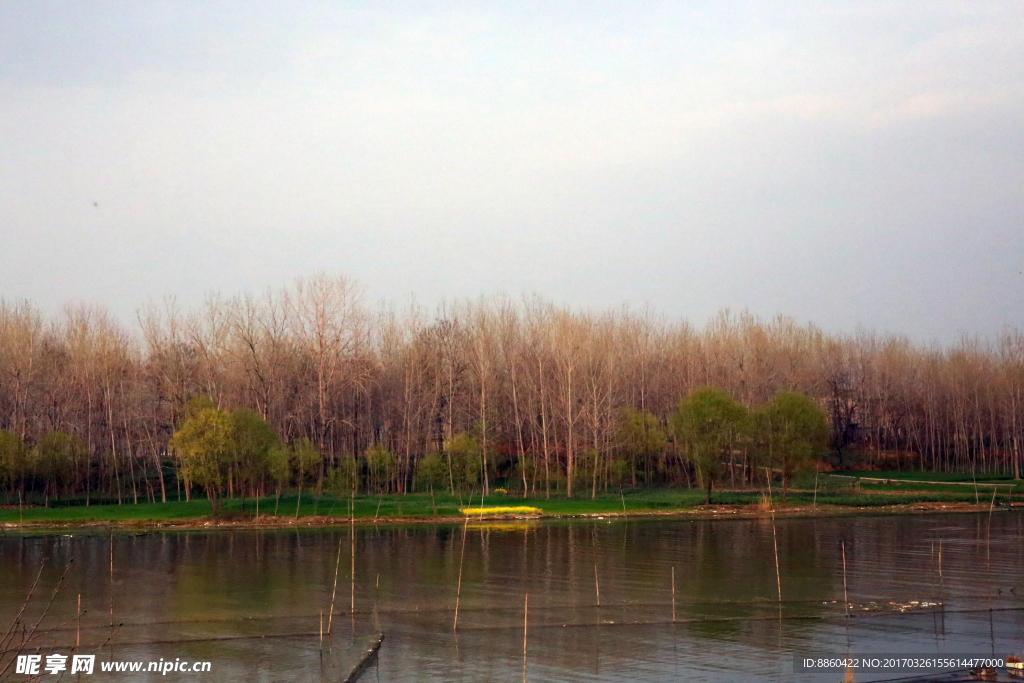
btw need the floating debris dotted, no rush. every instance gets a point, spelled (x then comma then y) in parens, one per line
(890, 606)
(367, 658)
(984, 673)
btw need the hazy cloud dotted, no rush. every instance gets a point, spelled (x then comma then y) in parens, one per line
(855, 163)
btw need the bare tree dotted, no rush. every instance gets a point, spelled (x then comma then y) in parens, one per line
(330, 328)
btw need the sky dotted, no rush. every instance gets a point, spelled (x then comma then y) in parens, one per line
(848, 164)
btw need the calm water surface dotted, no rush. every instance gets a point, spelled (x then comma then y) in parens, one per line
(250, 601)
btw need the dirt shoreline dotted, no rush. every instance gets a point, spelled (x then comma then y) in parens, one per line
(701, 512)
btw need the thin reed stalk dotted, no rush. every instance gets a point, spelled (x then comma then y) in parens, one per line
(988, 532)
(111, 586)
(673, 595)
(597, 587)
(458, 589)
(337, 565)
(775, 540)
(526, 621)
(352, 535)
(376, 595)
(846, 599)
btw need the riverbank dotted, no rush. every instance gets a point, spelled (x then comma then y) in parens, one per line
(423, 508)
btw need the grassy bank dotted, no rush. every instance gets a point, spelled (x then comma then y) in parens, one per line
(916, 483)
(913, 475)
(833, 492)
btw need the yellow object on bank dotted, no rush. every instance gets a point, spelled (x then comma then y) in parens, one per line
(520, 510)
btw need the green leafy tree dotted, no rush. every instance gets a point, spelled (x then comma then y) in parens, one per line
(790, 430)
(619, 471)
(55, 457)
(305, 463)
(343, 478)
(13, 459)
(430, 472)
(380, 466)
(640, 436)
(194, 406)
(253, 439)
(708, 424)
(205, 444)
(464, 458)
(279, 467)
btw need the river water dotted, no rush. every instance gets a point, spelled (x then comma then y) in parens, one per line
(250, 602)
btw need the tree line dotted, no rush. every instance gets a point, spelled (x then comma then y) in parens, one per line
(331, 392)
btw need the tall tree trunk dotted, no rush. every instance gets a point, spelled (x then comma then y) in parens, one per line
(159, 465)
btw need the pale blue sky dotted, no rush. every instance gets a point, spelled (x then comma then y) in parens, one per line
(845, 163)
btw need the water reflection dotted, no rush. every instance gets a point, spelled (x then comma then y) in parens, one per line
(250, 601)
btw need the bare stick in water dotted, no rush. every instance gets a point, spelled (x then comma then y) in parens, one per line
(815, 489)
(775, 540)
(337, 565)
(526, 617)
(352, 533)
(458, 590)
(846, 600)
(597, 586)
(988, 533)
(111, 579)
(673, 595)
(376, 593)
